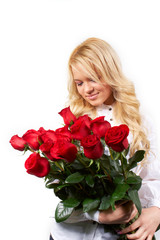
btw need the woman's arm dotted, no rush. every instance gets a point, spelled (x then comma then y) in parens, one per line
(149, 193)
(123, 214)
(125, 211)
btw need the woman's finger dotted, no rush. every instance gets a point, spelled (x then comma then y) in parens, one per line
(130, 228)
(149, 237)
(140, 234)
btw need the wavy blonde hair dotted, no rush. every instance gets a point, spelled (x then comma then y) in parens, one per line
(100, 61)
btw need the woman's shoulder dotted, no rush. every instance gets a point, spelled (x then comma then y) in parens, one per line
(150, 127)
(147, 120)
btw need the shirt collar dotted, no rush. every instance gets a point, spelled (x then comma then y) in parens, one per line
(104, 107)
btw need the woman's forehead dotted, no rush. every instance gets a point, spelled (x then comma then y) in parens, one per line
(79, 71)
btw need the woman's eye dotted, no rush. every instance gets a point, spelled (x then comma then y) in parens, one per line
(91, 80)
(79, 83)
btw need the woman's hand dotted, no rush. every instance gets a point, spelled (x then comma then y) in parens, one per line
(125, 211)
(146, 224)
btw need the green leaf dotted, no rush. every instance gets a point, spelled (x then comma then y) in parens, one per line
(105, 203)
(61, 186)
(51, 185)
(115, 155)
(90, 180)
(105, 161)
(71, 203)
(100, 175)
(77, 165)
(62, 212)
(119, 193)
(126, 151)
(98, 165)
(60, 164)
(74, 178)
(53, 168)
(133, 194)
(49, 181)
(137, 157)
(91, 162)
(115, 165)
(90, 204)
(118, 179)
(136, 186)
(134, 180)
(62, 194)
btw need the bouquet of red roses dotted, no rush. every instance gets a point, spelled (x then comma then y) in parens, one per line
(86, 163)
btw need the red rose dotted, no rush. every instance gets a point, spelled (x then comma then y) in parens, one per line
(116, 137)
(48, 135)
(18, 143)
(92, 147)
(37, 165)
(46, 146)
(67, 115)
(63, 150)
(41, 130)
(99, 126)
(81, 127)
(31, 137)
(63, 133)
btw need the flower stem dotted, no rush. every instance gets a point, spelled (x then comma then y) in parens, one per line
(85, 165)
(122, 165)
(106, 173)
(59, 166)
(30, 149)
(111, 154)
(81, 188)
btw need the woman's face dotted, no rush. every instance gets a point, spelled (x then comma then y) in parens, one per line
(93, 92)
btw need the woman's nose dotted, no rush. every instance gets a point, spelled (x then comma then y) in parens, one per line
(88, 88)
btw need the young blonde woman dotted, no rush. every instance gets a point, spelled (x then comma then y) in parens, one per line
(98, 87)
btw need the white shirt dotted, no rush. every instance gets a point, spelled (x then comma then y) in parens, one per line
(85, 226)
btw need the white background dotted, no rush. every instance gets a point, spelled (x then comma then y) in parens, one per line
(37, 37)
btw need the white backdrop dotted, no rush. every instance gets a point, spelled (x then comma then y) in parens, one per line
(37, 37)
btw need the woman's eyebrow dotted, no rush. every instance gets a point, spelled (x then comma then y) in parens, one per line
(77, 80)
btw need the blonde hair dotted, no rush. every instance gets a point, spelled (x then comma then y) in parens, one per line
(100, 61)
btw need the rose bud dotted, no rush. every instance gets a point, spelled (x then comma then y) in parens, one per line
(41, 130)
(18, 143)
(31, 137)
(37, 165)
(81, 127)
(63, 150)
(67, 115)
(46, 147)
(99, 126)
(48, 135)
(63, 133)
(93, 147)
(116, 137)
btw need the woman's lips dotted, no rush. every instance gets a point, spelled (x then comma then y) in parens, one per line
(92, 96)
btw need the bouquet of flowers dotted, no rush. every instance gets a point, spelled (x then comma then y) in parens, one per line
(85, 162)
